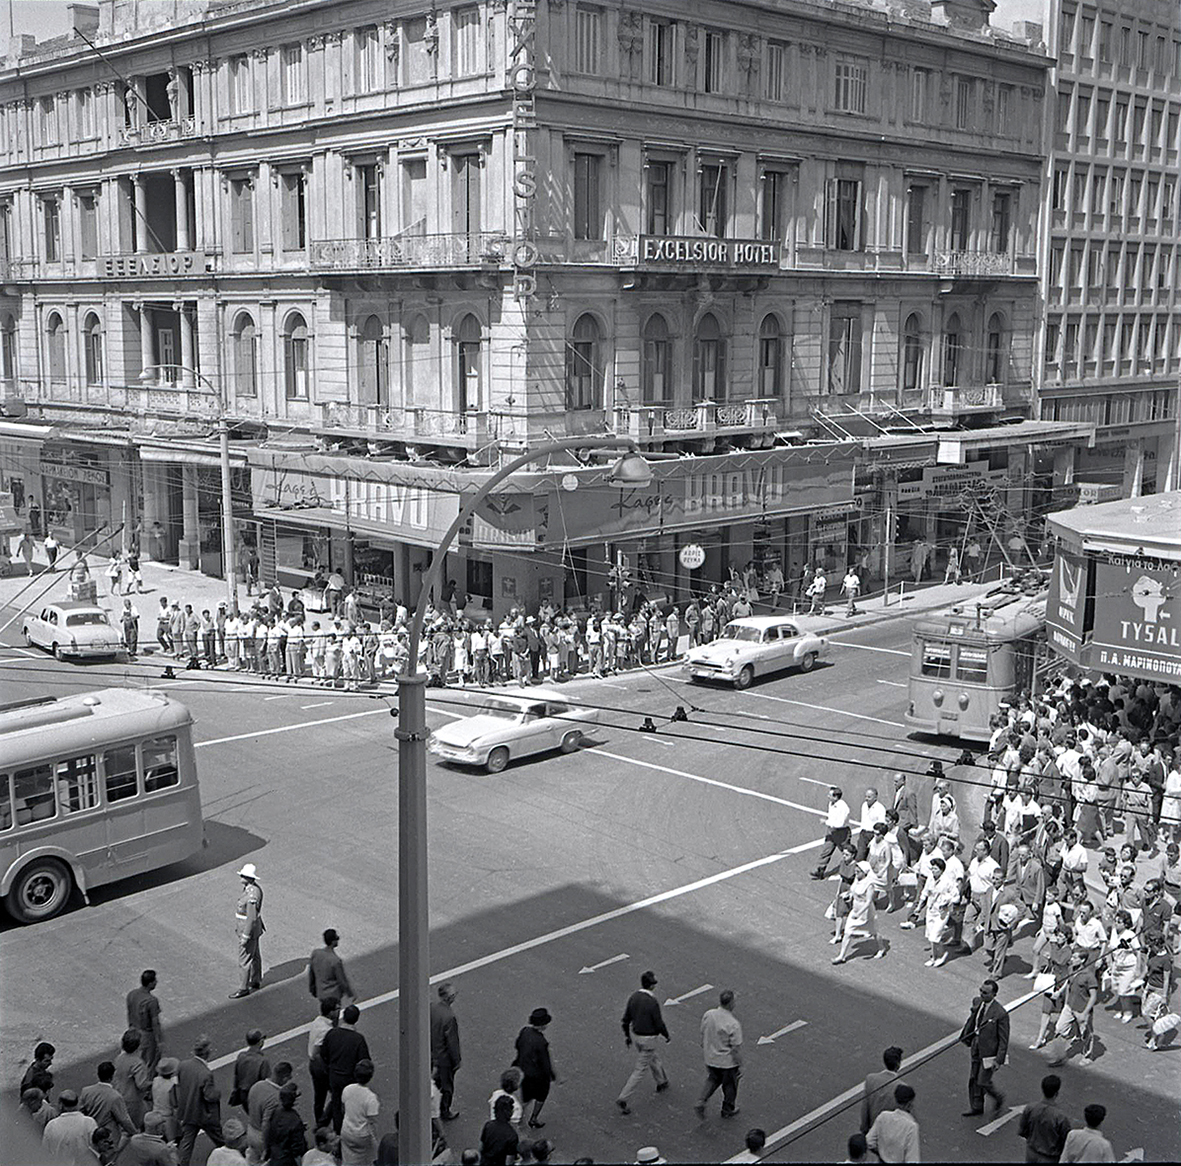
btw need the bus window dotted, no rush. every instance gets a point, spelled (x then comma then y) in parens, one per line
(77, 784)
(160, 769)
(121, 773)
(936, 659)
(972, 665)
(32, 790)
(5, 803)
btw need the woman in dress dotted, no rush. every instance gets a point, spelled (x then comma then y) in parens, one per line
(1170, 810)
(847, 871)
(942, 895)
(861, 923)
(945, 822)
(536, 1065)
(1123, 961)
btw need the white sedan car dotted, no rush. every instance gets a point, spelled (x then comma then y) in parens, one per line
(513, 725)
(754, 646)
(73, 629)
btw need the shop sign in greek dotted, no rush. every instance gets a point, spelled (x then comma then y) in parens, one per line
(73, 473)
(692, 556)
(947, 481)
(1067, 603)
(1137, 628)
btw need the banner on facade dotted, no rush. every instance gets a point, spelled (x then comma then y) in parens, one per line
(684, 494)
(1067, 603)
(1137, 617)
(947, 481)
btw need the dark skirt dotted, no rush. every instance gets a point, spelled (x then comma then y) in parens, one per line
(534, 1088)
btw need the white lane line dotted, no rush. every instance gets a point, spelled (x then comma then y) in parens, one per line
(292, 728)
(552, 936)
(317, 705)
(813, 781)
(992, 1127)
(829, 1107)
(891, 683)
(871, 648)
(823, 708)
(737, 789)
(27, 652)
(16, 660)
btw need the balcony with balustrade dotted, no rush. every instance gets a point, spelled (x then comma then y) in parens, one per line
(951, 402)
(701, 419)
(411, 252)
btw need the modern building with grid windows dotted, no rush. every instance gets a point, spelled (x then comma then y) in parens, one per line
(793, 244)
(1111, 351)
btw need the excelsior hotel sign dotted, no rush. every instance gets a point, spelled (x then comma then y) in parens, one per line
(697, 251)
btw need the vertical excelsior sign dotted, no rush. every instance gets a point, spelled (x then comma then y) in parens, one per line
(522, 77)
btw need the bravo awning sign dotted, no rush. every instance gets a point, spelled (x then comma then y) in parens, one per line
(1138, 617)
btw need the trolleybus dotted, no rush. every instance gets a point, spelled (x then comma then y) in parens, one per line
(94, 787)
(968, 660)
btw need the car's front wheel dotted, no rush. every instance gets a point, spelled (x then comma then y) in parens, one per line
(743, 679)
(28, 638)
(571, 741)
(497, 760)
(808, 662)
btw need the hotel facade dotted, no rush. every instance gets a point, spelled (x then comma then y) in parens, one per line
(792, 245)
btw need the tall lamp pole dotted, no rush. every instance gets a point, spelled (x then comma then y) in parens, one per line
(414, 972)
(227, 499)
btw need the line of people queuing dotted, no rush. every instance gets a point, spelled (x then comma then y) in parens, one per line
(1104, 929)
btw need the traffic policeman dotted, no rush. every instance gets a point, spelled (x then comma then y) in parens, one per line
(250, 927)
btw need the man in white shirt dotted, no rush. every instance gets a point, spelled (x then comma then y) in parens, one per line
(1088, 1145)
(851, 586)
(721, 1044)
(980, 870)
(66, 1138)
(816, 590)
(955, 866)
(872, 812)
(836, 829)
(894, 1135)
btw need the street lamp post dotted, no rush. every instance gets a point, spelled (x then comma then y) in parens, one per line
(414, 1046)
(227, 498)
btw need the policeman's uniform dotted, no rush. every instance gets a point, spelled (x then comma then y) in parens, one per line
(250, 927)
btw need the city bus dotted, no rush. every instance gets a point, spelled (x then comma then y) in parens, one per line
(970, 659)
(94, 787)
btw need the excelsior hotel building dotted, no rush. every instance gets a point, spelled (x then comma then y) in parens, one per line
(793, 244)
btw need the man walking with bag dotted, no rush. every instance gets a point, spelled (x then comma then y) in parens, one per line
(642, 1024)
(986, 1033)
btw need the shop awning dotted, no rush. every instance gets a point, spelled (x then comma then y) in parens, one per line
(952, 445)
(191, 455)
(23, 432)
(1137, 527)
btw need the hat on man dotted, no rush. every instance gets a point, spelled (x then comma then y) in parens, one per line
(153, 1122)
(167, 1066)
(646, 1154)
(249, 871)
(539, 1016)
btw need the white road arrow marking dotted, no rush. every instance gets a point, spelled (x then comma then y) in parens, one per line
(995, 1125)
(680, 999)
(1136, 1155)
(770, 1040)
(613, 960)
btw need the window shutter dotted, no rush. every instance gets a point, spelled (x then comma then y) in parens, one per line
(858, 214)
(830, 212)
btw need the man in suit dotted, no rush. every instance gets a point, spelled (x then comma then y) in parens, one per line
(445, 1052)
(879, 1088)
(143, 1013)
(906, 806)
(326, 974)
(986, 1033)
(198, 1102)
(1029, 881)
(998, 923)
(340, 1050)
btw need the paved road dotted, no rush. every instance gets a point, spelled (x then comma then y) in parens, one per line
(685, 850)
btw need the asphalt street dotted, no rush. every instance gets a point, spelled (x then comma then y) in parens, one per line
(684, 850)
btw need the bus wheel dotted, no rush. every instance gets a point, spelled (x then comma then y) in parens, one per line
(808, 662)
(40, 891)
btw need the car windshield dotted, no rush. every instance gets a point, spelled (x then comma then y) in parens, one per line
(737, 631)
(504, 709)
(84, 618)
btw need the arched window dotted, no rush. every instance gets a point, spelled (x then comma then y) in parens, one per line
(584, 373)
(8, 350)
(55, 339)
(245, 354)
(467, 364)
(994, 350)
(709, 361)
(912, 352)
(658, 362)
(417, 380)
(295, 358)
(93, 341)
(953, 351)
(374, 369)
(770, 358)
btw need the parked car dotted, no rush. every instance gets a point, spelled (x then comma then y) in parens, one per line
(513, 725)
(752, 647)
(73, 629)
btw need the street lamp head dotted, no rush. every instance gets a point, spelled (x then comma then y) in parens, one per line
(631, 470)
